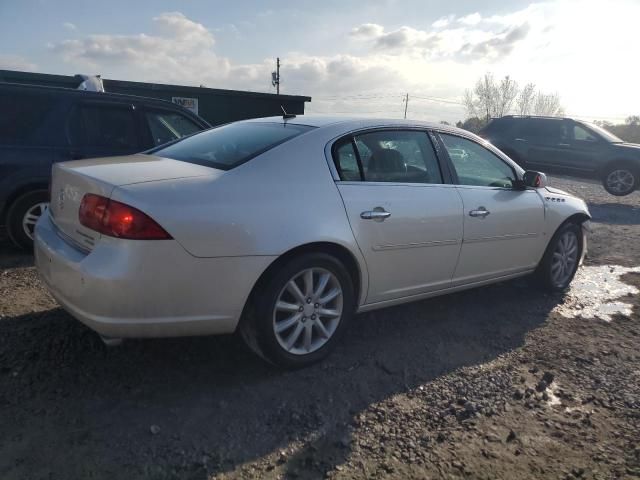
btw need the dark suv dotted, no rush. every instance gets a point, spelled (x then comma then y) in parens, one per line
(43, 125)
(568, 146)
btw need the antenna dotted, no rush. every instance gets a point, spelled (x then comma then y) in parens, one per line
(286, 115)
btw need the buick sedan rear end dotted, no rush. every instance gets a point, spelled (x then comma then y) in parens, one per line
(283, 229)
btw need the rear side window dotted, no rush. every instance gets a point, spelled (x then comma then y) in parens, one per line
(166, 126)
(22, 117)
(545, 131)
(231, 145)
(498, 127)
(388, 156)
(103, 126)
(347, 161)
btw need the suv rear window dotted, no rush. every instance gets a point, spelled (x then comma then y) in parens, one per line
(230, 145)
(22, 117)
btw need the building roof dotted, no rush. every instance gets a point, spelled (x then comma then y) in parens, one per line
(70, 81)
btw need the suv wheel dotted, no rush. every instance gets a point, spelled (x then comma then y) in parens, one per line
(298, 317)
(22, 216)
(620, 179)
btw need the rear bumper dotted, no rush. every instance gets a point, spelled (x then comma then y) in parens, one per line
(125, 288)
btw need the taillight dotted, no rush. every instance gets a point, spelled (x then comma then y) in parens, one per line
(117, 219)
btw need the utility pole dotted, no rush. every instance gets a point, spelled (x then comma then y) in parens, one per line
(406, 104)
(275, 77)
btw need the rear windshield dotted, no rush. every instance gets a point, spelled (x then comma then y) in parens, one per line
(230, 145)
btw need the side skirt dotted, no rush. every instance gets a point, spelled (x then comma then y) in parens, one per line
(444, 291)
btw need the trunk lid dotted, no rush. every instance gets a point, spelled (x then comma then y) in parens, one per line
(70, 181)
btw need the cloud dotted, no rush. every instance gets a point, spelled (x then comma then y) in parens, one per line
(178, 49)
(70, 26)
(16, 62)
(498, 46)
(368, 30)
(402, 38)
(469, 41)
(443, 21)
(471, 19)
(372, 65)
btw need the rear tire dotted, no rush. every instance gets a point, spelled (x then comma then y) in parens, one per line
(23, 215)
(621, 179)
(561, 259)
(294, 328)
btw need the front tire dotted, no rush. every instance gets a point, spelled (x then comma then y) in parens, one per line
(561, 259)
(298, 314)
(620, 179)
(22, 216)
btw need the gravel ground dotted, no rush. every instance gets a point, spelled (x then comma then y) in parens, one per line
(498, 382)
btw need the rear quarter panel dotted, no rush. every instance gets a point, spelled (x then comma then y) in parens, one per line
(273, 203)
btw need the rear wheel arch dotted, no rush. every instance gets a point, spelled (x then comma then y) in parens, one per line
(619, 161)
(259, 336)
(338, 251)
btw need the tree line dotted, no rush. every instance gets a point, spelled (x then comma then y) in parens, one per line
(492, 98)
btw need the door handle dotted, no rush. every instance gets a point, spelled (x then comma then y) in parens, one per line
(479, 212)
(564, 145)
(378, 214)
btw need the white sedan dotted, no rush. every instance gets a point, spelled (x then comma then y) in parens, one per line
(283, 228)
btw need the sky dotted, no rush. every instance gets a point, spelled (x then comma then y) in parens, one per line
(353, 57)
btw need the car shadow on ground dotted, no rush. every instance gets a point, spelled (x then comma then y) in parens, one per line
(615, 213)
(214, 404)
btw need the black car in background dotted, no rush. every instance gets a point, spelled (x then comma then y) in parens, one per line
(43, 125)
(568, 146)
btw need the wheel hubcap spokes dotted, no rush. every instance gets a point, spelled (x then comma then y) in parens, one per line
(31, 217)
(565, 258)
(620, 180)
(308, 311)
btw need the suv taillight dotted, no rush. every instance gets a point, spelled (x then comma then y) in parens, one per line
(119, 220)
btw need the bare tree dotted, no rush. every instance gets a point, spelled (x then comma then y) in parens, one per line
(506, 94)
(525, 100)
(490, 99)
(547, 104)
(633, 120)
(481, 102)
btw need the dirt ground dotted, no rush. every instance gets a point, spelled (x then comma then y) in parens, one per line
(498, 382)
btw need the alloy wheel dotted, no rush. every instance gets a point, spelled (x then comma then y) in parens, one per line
(565, 258)
(31, 216)
(621, 181)
(308, 311)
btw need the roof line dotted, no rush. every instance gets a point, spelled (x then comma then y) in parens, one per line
(12, 75)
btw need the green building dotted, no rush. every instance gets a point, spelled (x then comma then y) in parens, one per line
(215, 105)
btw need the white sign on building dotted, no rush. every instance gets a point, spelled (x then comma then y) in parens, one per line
(186, 102)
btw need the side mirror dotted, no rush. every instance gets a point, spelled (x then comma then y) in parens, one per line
(534, 179)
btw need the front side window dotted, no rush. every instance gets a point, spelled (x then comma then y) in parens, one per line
(168, 126)
(475, 165)
(103, 126)
(230, 145)
(390, 156)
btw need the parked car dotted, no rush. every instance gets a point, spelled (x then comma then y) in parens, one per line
(283, 228)
(40, 126)
(568, 146)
